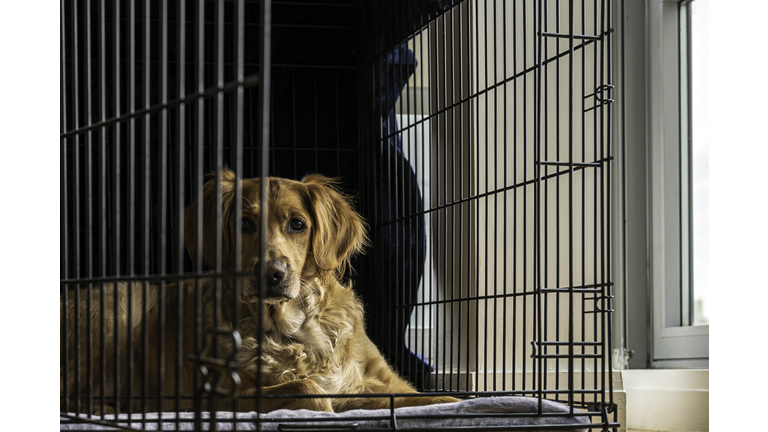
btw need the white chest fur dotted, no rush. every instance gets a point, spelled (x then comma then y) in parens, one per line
(306, 338)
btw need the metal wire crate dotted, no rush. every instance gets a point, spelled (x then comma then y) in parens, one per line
(475, 136)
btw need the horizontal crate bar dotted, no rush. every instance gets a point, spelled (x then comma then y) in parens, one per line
(487, 194)
(576, 164)
(210, 92)
(557, 343)
(566, 356)
(156, 278)
(570, 35)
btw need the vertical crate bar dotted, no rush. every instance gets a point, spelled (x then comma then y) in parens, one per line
(89, 205)
(264, 98)
(116, 165)
(238, 156)
(103, 198)
(218, 156)
(571, 280)
(181, 23)
(76, 188)
(163, 198)
(539, 368)
(146, 180)
(197, 186)
(64, 214)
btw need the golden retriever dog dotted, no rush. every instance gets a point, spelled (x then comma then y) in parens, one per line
(314, 340)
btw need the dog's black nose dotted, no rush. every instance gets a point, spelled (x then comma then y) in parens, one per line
(275, 273)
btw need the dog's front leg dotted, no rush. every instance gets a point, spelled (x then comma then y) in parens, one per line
(276, 397)
(421, 401)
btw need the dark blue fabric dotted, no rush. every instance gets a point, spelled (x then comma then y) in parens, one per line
(401, 237)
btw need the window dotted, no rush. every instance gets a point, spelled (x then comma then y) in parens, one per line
(663, 176)
(695, 147)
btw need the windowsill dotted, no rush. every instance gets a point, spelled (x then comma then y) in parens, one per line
(667, 399)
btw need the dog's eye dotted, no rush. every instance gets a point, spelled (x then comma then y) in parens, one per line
(297, 225)
(246, 224)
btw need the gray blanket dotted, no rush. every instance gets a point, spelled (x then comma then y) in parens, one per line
(481, 412)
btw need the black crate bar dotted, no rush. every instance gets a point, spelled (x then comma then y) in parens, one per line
(63, 336)
(263, 122)
(117, 174)
(181, 131)
(197, 186)
(103, 234)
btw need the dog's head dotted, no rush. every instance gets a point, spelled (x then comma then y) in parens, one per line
(312, 230)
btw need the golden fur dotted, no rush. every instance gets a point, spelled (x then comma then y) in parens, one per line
(314, 338)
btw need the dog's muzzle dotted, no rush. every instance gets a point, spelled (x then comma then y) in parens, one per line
(276, 288)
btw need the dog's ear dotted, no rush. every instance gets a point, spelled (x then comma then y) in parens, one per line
(208, 226)
(339, 232)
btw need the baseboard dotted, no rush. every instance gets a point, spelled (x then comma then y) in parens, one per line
(675, 400)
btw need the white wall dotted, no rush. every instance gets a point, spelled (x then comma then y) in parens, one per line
(667, 399)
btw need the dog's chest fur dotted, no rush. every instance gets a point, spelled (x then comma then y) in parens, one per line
(312, 337)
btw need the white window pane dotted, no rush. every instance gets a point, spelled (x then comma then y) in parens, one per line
(700, 157)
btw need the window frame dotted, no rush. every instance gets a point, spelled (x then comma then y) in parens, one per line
(648, 274)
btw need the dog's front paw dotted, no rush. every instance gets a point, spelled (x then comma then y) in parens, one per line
(248, 400)
(422, 401)
(442, 400)
(108, 410)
